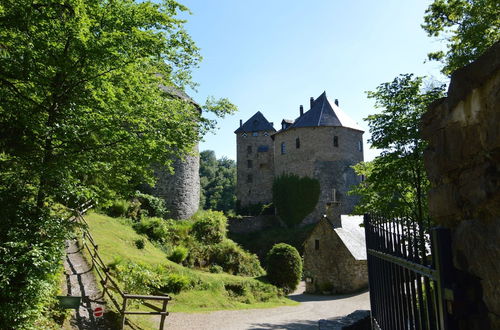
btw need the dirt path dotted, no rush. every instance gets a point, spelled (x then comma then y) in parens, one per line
(80, 281)
(305, 316)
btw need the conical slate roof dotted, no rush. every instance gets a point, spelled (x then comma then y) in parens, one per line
(325, 113)
(256, 123)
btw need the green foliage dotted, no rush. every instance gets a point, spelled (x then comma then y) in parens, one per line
(218, 182)
(216, 269)
(178, 255)
(175, 283)
(255, 209)
(118, 208)
(295, 197)
(284, 267)
(233, 259)
(140, 243)
(154, 228)
(469, 26)
(209, 227)
(395, 182)
(155, 206)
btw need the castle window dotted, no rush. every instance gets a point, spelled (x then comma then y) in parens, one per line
(297, 143)
(249, 149)
(316, 244)
(244, 135)
(283, 148)
(266, 134)
(360, 145)
(255, 134)
(263, 149)
(249, 163)
(335, 141)
(249, 178)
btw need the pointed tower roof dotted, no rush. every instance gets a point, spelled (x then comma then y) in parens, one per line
(325, 113)
(256, 123)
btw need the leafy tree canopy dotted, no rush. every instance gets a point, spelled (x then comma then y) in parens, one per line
(218, 182)
(469, 26)
(395, 182)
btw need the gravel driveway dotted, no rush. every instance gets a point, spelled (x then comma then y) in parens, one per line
(305, 316)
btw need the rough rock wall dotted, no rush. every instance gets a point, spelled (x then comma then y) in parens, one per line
(181, 190)
(332, 267)
(463, 164)
(318, 158)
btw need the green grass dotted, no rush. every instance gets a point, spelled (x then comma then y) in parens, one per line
(116, 239)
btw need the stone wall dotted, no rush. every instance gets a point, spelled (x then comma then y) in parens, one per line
(181, 190)
(463, 164)
(248, 225)
(332, 267)
(317, 157)
(259, 150)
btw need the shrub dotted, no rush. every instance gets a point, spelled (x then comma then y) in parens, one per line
(118, 208)
(178, 255)
(216, 269)
(175, 283)
(295, 197)
(234, 260)
(155, 228)
(140, 243)
(284, 267)
(209, 227)
(155, 206)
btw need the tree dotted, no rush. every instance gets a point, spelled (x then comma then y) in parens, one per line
(395, 182)
(82, 116)
(284, 267)
(469, 26)
(218, 182)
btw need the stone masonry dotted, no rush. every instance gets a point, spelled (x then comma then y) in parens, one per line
(463, 164)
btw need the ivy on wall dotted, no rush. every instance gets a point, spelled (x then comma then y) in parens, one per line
(295, 197)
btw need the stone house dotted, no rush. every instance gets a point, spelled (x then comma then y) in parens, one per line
(335, 257)
(321, 143)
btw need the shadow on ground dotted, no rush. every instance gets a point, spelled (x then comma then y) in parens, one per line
(297, 325)
(304, 297)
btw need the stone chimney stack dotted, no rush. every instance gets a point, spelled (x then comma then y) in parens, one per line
(301, 109)
(336, 102)
(241, 122)
(311, 100)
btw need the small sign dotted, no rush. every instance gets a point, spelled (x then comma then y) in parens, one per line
(98, 312)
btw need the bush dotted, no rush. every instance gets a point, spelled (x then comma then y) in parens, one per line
(234, 260)
(155, 206)
(209, 227)
(295, 197)
(284, 267)
(178, 255)
(140, 243)
(154, 228)
(175, 283)
(118, 208)
(216, 269)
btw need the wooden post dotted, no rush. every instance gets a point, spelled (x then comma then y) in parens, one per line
(123, 311)
(163, 316)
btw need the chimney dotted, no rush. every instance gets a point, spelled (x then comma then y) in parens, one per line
(301, 110)
(336, 102)
(311, 100)
(241, 122)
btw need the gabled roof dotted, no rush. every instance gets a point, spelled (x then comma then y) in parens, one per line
(352, 235)
(256, 123)
(325, 113)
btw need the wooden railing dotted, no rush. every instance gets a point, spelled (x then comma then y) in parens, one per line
(109, 284)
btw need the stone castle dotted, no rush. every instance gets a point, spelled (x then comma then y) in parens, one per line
(321, 143)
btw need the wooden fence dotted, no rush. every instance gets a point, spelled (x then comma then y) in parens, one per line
(109, 284)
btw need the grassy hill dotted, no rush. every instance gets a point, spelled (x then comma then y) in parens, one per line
(147, 271)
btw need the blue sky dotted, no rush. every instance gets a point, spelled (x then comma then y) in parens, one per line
(271, 56)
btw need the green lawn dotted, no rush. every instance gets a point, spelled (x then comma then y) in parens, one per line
(116, 239)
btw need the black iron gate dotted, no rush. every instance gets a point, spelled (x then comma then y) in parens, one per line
(410, 274)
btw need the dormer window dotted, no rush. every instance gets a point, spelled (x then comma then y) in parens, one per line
(266, 134)
(255, 134)
(244, 135)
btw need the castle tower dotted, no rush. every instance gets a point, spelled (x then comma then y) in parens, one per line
(254, 160)
(322, 143)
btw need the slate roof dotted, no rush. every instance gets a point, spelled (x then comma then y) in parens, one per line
(179, 94)
(256, 123)
(325, 113)
(352, 235)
